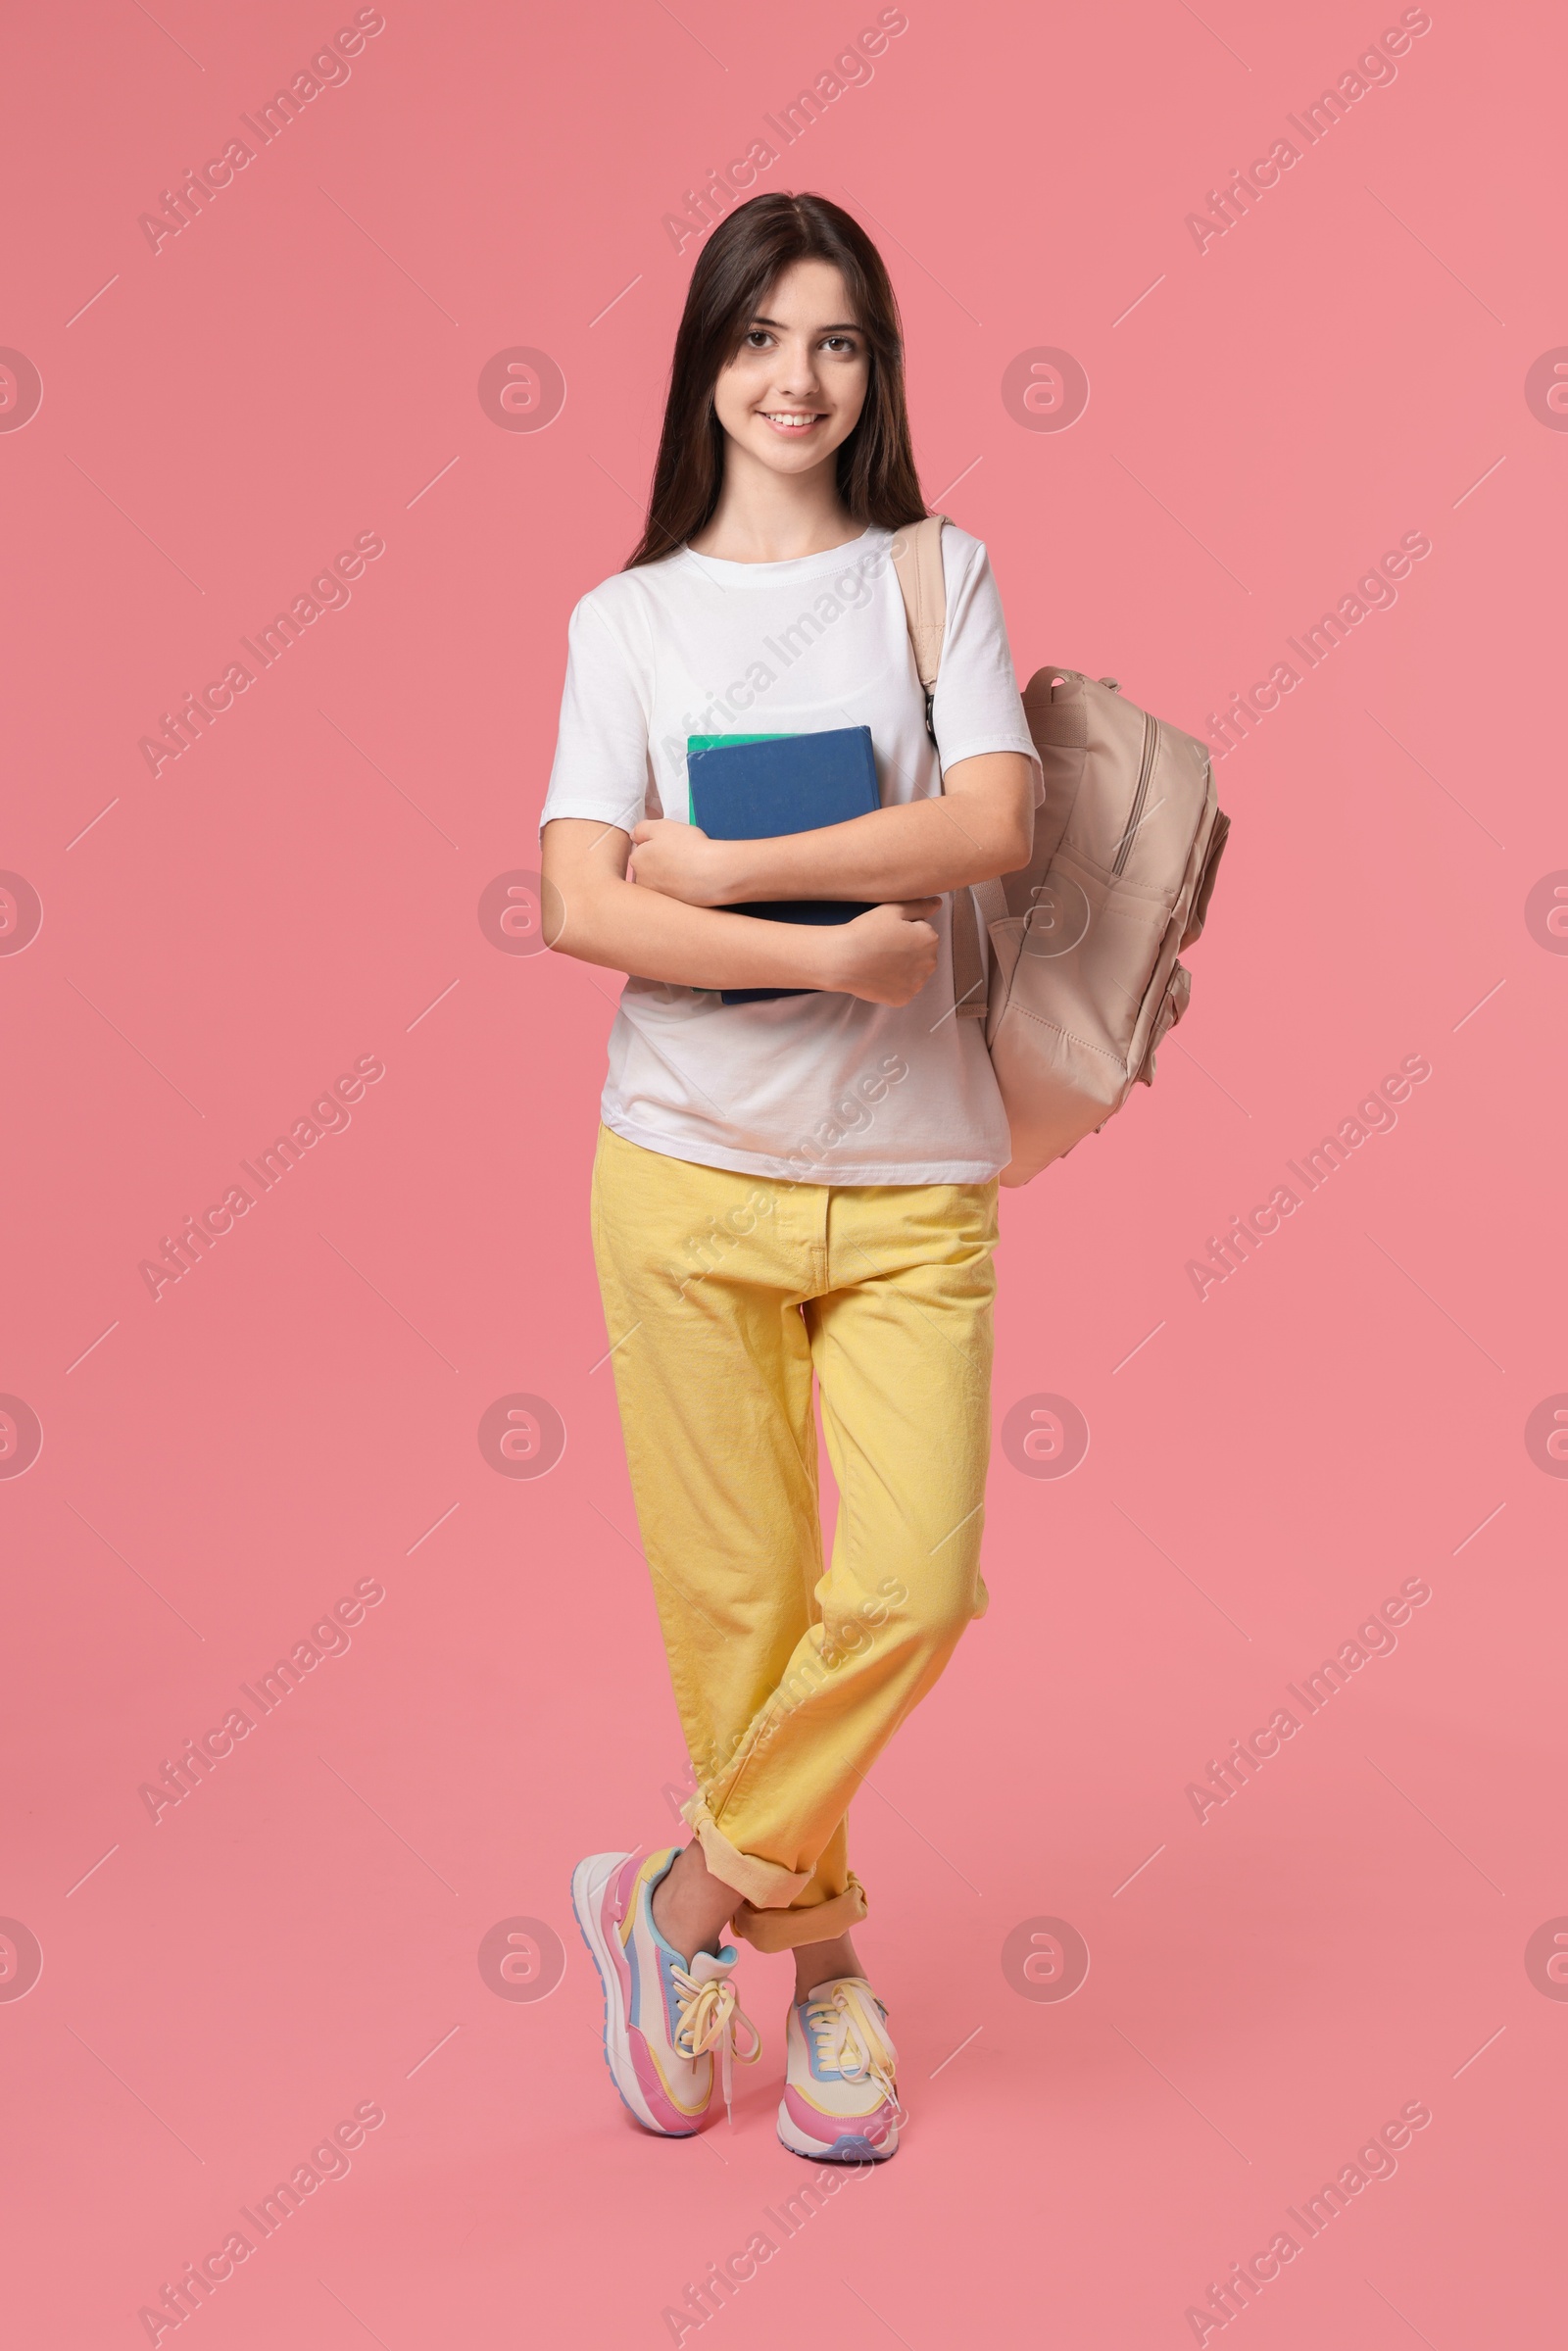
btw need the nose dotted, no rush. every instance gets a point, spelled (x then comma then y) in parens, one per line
(797, 369)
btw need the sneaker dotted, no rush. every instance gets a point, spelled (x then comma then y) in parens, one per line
(840, 2095)
(663, 2019)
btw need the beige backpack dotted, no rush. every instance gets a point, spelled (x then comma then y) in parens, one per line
(1082, 979)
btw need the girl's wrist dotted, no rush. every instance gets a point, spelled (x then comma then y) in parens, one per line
(825, 952)
(735, 873)
(727, 877)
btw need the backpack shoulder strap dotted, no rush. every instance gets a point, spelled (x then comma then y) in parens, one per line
(917, 561)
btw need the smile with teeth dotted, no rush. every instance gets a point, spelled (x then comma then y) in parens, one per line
(790, 419)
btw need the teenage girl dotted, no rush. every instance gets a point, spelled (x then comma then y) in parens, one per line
(794, 1187)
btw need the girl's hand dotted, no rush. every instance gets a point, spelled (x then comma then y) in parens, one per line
(886, 955)
(679, 861)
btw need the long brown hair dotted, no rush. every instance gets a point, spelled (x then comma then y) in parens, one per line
(877, 478)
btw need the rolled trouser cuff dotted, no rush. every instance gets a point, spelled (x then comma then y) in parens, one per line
(787, 1929)
(762, 1884)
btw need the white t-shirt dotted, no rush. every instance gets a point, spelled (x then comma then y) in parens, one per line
(822, 1087)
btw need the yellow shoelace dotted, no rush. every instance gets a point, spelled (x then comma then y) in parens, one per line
(710, 2012)
(851, 2039)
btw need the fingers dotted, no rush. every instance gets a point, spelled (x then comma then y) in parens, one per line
(918, 909)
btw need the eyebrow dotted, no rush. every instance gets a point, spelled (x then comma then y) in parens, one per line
(848, 330)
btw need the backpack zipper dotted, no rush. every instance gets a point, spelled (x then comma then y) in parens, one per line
(1145, 770)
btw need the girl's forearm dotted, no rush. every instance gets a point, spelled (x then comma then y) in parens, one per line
(919, 848)
(626, 928)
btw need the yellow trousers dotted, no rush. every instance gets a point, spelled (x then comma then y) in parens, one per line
(723, 1294)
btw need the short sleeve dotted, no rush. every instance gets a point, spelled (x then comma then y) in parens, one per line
(978, 706)
(601, 765)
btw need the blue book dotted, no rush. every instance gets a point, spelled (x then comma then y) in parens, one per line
(755, 788)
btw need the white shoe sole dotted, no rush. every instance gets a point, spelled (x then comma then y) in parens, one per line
(588, 1881)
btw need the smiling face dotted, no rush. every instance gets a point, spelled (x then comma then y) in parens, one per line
(794, 391)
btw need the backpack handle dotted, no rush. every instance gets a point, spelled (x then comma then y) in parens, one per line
(917, 561)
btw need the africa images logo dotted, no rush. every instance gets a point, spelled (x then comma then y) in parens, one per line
(1229, 1251)
(328, 69)
(329, 1114)
(1375, 69)
(329, 592)
(851, 69)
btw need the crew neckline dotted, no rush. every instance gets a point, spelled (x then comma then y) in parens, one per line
(795, 566)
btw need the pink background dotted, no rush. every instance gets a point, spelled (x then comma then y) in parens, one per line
(300, 364)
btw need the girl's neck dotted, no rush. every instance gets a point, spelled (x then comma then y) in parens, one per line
(768, 518)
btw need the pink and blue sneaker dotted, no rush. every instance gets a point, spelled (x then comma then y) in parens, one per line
(841, 2091)
(663, 2018)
